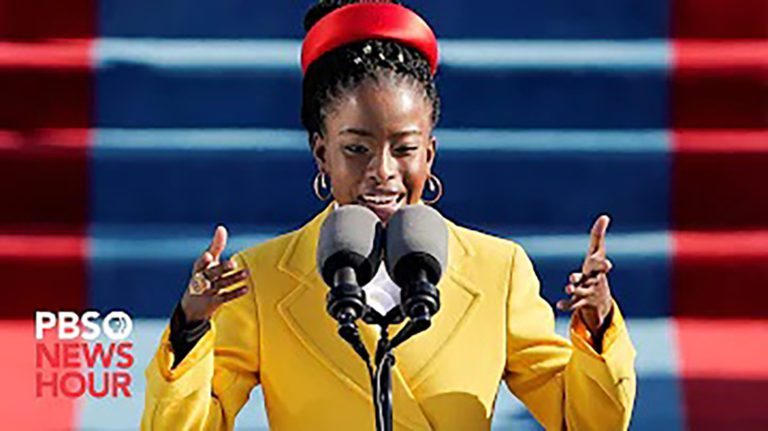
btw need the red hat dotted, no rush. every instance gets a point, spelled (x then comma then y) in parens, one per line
(360, 21)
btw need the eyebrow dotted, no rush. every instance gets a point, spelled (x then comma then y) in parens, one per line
(353, 131)
(408, 133)
(362, 132)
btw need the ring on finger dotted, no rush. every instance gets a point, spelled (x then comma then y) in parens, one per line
(198, 283)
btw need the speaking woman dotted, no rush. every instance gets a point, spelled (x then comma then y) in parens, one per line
(370, 106)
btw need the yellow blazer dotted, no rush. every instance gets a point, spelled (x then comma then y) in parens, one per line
(493, 326)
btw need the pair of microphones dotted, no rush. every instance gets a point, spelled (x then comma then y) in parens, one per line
(353, 244)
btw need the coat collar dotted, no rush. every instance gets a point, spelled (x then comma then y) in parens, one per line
(304, 311)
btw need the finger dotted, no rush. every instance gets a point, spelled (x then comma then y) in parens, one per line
(572, 304)
(578, 304)
(563, 304)
(587, 284)
(597, 264)
(586, 287)
(597, 235)
(602, 279)
(232, 294)
(219, 242)
(198, 285)
(214, 272)
(582, 292)
(577, 292)
(229, 280)
(568, 289)
(579, 279)
(575, 277)
(202, 262)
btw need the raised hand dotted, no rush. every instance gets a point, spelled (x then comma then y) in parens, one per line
(590, 294)
(206, 290)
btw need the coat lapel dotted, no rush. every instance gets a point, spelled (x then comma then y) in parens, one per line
(458, 297)
(304, 311)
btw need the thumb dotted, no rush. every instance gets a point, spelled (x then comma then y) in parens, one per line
(219, 242)
(202, 262)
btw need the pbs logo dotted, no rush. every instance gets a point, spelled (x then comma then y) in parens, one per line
(116, 325)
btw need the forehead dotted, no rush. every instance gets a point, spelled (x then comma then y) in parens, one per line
(381, 107)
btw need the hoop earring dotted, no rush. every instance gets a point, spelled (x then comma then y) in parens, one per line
(434, 183)
(319, 184)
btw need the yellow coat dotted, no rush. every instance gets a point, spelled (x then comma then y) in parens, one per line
(493, 326)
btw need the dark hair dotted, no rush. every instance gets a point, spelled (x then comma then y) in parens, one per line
(344, 68)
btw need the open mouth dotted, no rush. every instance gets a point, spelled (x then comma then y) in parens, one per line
(384, 204)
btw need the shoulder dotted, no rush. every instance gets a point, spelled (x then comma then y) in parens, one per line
(268, 252)
(265, 264)
(485, 245)
(497, 261)
(491, 259)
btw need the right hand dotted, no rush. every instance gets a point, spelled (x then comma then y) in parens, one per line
(200, 305)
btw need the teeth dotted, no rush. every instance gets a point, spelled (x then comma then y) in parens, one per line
(379, 200)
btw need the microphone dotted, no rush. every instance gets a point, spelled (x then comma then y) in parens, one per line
(349, 253)
(416, 253)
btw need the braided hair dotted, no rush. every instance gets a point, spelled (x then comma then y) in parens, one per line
(343, 69)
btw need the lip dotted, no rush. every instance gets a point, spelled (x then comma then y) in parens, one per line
(388, 202)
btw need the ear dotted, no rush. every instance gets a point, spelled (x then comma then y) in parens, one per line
(319, 149)
(431, 151)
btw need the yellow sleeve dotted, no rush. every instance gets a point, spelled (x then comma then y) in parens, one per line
(565, 386)
(213, 382)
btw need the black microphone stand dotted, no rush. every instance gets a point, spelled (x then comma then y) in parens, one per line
(346, 303)
(381, 371)
(384, 359)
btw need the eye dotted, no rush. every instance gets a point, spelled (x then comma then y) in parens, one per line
(404, 150)
(355, 149)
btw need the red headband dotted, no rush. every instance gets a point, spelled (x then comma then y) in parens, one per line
(359, 21)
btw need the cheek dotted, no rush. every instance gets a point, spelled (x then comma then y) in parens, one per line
(415, 177)
(346, 176)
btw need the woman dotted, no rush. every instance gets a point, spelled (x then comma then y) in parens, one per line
(370, 106)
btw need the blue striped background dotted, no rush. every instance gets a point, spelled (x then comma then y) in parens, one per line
(553, 112)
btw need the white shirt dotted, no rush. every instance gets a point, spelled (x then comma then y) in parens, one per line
(381, 293)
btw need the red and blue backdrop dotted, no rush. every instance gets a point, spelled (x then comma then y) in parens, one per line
(128, 129)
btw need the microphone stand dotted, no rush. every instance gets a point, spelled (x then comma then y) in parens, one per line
(381, 371)
(346, 302)
(384, 359)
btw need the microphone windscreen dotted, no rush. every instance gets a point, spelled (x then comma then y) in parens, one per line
(417, 239)
(350, 237)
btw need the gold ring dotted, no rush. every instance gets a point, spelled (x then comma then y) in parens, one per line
(198, 284)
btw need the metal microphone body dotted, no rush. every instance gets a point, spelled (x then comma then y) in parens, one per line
(348, 255)
(416, 253)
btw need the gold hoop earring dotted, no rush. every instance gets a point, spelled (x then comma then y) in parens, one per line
(319, 184)
(433, 184)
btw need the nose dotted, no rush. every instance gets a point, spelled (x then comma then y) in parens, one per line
(382, 167)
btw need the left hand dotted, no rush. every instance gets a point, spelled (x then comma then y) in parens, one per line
(589, 290)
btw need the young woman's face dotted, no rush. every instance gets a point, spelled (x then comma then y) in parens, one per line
(378, 147)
